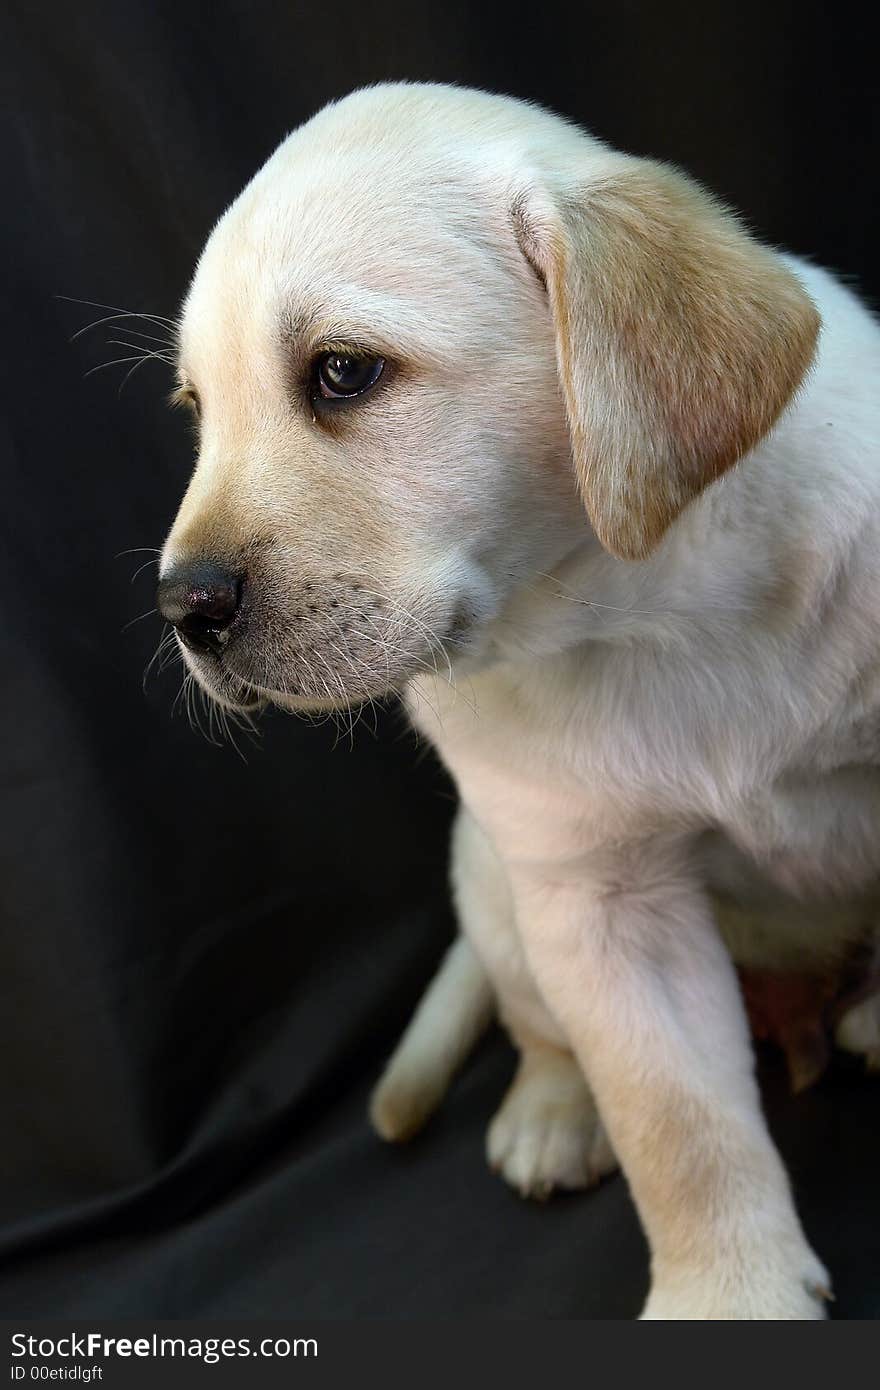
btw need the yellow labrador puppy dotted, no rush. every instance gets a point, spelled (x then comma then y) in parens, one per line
(472, 387)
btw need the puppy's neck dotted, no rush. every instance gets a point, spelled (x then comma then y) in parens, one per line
(703, 573)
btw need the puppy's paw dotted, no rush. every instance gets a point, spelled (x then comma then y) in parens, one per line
(769, 1292)
(547, 1133)
(859, 1031)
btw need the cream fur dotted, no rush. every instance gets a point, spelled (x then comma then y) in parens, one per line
(632, 739)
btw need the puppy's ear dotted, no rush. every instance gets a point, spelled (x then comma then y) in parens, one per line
(679, 340)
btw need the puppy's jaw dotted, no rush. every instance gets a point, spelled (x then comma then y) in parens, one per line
(225, 690)
(336, 642)
(309, 684)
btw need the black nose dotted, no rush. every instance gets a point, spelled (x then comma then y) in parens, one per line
(201, 601)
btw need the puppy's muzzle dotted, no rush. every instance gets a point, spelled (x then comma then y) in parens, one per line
(201, 601)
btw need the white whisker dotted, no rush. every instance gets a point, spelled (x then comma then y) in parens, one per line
(144, 351)
(139, 619)
(114, 312)
(102, 366)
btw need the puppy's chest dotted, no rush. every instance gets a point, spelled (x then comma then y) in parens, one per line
(574, 752)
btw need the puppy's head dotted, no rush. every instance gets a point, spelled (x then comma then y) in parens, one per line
(434, 328)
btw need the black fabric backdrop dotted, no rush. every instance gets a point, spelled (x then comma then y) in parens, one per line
(204, 960)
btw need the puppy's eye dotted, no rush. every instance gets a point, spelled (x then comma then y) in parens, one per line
(341, 375)
(188, 397)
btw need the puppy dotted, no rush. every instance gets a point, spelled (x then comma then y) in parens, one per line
(536, 435)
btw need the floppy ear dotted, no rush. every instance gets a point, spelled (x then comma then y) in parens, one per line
(679, 340)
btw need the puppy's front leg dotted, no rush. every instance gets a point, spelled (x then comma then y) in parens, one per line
(547, 1133)
(628, 958)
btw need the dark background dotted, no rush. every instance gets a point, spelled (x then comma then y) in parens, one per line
(205, 960)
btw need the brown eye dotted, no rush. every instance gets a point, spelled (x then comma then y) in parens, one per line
(341, 375)
(187, 396)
